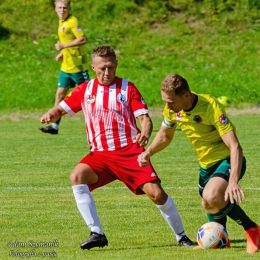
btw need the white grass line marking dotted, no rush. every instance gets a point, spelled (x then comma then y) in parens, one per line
(109, 188)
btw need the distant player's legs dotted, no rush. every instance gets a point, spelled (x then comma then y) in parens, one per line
(60, 95)
(168, 210)
(54, 127)
(65, 83)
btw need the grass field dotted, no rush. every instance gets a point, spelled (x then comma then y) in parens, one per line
(38, 205)
(214, 44)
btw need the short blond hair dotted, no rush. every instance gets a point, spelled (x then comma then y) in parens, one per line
(66, 2)
(176, 83)
(103, 51)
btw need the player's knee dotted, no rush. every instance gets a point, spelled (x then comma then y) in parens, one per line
(77, 177)
(158, 196)
(210, 198)
(74, 178)
(82, 174)
(206, 205)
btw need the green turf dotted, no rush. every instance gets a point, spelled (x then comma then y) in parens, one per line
(214, 44)
(37, 204)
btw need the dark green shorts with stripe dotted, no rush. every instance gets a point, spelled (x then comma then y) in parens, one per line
(220, 169)
(70, 80)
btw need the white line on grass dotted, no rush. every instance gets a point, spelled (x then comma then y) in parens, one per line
(109, 188)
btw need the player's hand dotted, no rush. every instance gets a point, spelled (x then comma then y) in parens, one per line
(142, 140)
(59, 57)
(234, 193)
(47, 117)
(143, 159)
(59, 46)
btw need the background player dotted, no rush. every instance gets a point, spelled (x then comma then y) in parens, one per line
(72, 54)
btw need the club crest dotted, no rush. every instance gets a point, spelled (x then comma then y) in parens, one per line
(223, 119)
(90, 99)
(197, 119)
(121, 98)
(178, 116)
(78, 29)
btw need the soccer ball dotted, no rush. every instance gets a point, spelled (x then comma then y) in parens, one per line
(224, 101)
(212, 235)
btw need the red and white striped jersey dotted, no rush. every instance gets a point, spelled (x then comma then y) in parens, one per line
(109, 111)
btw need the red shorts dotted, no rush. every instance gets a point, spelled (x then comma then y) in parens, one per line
(120, 165)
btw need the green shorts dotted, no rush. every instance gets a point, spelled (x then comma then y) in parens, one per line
(220, 169)
(69, 80)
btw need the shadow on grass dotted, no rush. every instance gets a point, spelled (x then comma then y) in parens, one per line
(4, 33)
(105, 248)
(233, 245)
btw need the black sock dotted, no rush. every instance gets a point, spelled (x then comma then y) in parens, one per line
(237, 214)
(219, 217)
(58, 121)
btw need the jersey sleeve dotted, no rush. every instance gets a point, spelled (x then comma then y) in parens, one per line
(72, 103)
(218, 117)
(169, 118)
(138, 105)
(76, 29)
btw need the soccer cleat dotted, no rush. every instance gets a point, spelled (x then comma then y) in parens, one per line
(253, 239)
(228, 244)
(94, 240)
(49, 129)
(185, 241)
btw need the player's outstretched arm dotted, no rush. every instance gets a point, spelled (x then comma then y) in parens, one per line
(162, 139)
(53, 115)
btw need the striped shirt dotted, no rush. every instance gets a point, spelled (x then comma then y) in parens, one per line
(109, 111)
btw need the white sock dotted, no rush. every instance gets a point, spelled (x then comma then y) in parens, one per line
(55, 126)
(87, 207)
(172, 217)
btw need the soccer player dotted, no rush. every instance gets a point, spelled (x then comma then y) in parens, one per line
(222, 164)
(72, 54)
(111, 105)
